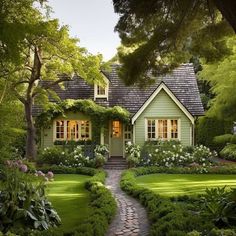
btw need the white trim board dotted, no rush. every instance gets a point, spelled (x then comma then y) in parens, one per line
(171, 95)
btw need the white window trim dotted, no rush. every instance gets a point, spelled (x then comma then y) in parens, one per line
(172, 96)
(168, 127)
(65, 130)
(106, 83)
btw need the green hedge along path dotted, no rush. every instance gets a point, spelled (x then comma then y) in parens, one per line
(184, 184)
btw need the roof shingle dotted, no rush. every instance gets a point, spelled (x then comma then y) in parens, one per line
(181, 81)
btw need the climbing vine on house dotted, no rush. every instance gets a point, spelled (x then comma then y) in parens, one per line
(99, 115)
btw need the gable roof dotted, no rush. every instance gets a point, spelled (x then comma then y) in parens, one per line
(181, 82)
(161, 87)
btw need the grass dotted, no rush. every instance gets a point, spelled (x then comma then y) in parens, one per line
(69, 198)
(184, 184)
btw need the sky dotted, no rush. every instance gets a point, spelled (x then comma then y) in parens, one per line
(92, 21)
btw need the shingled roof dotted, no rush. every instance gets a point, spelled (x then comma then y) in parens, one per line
(181, 81)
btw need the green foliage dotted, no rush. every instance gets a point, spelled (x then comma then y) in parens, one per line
(229, 152)
(132, 152)
(220, 206)
(165, 34)
(173, 153)
(207, 128)
(99, 115)
(223, 232)
(225, 139)
(221, 76)
(23, 202)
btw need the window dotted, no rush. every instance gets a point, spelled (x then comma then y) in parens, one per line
(60, 129)
(151, 129)
(73, 130)
(101, 90)
(128, 132)
(163, 129)
(116, 129)
(174, 129)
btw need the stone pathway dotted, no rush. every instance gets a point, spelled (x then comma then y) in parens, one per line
(131, 217)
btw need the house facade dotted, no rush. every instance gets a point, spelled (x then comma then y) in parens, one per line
(165, 110)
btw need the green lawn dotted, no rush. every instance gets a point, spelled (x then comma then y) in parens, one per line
(69, 198)
(181, 184)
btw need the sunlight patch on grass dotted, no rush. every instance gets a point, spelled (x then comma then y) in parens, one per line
(181, 184)
(70, 199)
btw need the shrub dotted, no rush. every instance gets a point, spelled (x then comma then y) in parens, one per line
(209, 127)
(224, 139)
(220, 206)
(229, 152)
(101, 152)
(173, 153)
(23, 204)
(223, 232)
(132, 154)
(52, 156)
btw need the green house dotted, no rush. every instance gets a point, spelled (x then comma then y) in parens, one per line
(165, 110)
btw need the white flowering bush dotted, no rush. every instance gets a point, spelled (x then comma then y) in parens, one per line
(173, 153)
(133, 154)
(100, 153)
(58, 156)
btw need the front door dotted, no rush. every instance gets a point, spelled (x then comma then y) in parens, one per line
(116, 138)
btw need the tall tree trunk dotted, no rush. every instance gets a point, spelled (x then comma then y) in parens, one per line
(31, 132)
(228, 10)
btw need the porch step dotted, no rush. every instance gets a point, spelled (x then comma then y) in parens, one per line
(116, 163)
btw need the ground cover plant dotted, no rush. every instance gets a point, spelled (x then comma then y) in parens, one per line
(70, 198)
(184, 184)
(183, 215)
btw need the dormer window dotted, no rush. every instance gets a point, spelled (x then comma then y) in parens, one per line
(101, 91)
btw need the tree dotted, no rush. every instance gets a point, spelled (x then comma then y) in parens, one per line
(221, 76)
(159, 35)
(46, 51)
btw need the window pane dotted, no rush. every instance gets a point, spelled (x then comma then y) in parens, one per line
(60, 129)
(116, 129)
(101, 90)
(85, 129)
(151, 129)
(174, 129)
(162, 129)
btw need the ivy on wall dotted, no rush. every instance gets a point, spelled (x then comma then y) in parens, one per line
(98, 114)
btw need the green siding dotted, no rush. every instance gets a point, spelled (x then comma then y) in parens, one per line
(47, 134)
(163, 106)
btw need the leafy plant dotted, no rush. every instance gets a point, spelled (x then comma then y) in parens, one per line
(133, 152)
(229, 152)
(220, 206)
(22, 200)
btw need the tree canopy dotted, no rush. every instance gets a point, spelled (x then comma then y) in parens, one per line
(42, 51)
(159, 35)
(221, 75)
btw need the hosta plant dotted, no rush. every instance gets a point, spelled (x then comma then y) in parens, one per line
(23, 203)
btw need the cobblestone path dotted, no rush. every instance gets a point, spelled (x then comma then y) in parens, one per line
(131, 217)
